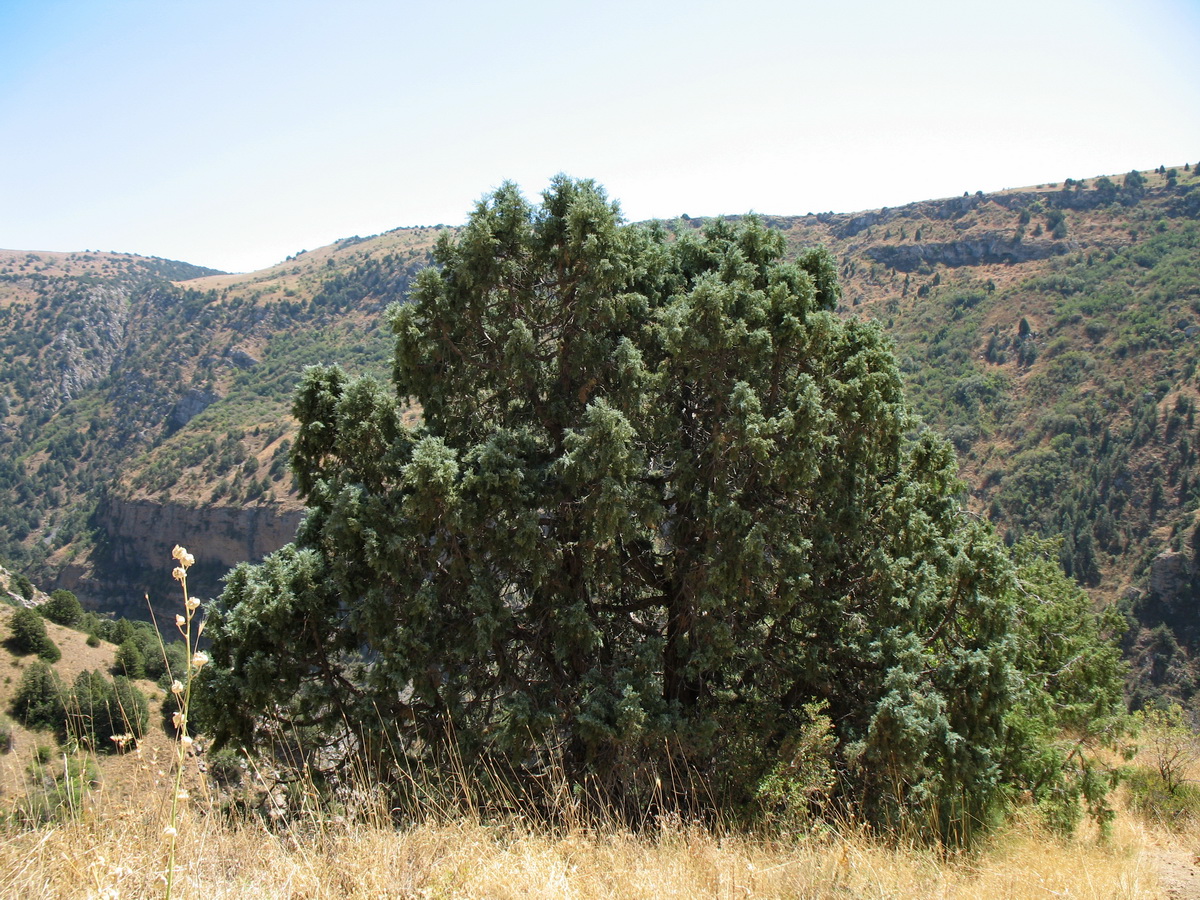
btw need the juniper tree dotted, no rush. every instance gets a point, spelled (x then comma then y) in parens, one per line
(28, 635)
(661, 501)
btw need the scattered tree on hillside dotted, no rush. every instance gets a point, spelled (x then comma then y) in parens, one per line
(23, 586)
(663, 505)
(38, 702)
(99, 710)
(29, 635)
(64, 608)
(129, 660)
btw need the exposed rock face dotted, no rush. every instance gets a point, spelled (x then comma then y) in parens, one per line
(141, 534)
(190, 405)
(85, 350)
(1170, 574)
(242, 359)
(997, 249)
(142, 531)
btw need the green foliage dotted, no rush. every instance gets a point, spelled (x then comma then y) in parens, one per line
(129, 661)
(1162, 791)
(803, 779)
(28, 635)
(1176, 810)
(99, 710)
(38, 702)
(166, 664)
(23, 586)
(1135, 180)
(1170, 742)
(63, 607)
(6, 734)
(226, 767)
(58, 787)
(663, 501)
(1070, 705)
(136, 640)
(88, 714)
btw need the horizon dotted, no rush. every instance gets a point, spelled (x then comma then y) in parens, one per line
(232, 137)
(1116, 176)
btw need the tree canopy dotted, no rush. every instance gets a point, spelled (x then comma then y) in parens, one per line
(661, 504)
(28, 635)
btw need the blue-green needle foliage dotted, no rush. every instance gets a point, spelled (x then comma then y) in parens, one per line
(662, 498)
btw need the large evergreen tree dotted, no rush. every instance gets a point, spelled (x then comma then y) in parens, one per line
(661, 500)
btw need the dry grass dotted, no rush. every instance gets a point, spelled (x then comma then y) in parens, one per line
(117, 849)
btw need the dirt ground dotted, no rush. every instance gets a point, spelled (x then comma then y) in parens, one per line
(1178, 871)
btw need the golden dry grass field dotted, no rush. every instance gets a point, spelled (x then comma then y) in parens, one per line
(112, 844)
(115, 849)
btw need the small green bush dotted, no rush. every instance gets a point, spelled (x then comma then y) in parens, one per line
(99, 710)
(129, 661)
(64, 608)
(24, 586)
(1151, 797)
(59, 788)
(225, 767)
(801, 782)
(29, 636)
(6, 734)
(38, 702)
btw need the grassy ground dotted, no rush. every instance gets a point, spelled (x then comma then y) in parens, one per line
(112, 844)
(115, 848)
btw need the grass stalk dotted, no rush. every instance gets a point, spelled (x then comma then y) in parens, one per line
(182, 690)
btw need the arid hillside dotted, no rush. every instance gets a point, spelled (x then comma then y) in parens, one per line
(1050, 332)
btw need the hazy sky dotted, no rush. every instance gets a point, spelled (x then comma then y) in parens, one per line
(232, 133)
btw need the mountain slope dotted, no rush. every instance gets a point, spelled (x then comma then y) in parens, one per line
(1049, 331)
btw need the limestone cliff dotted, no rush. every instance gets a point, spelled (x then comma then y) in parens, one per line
(139, 535)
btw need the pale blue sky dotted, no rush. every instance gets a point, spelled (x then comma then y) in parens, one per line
(231, 133)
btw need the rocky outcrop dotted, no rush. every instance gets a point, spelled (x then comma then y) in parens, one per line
(91, 337)
(982, 251)
(1170, 574)
(242, 359)
(139, 535)
(191, 404)
(142, 530)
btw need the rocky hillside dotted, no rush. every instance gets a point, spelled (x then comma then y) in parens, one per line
(137, 412)
(1051, 332)
(1053, 335)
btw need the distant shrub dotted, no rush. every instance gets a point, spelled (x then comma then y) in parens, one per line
(64, 608)
(225, 767)
(89, 714)
(129, 660)
(6, 734)
(29, 636)
(60, 788)
(99, 710)
(1152, 798)
(38, 702)
(23, 585)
